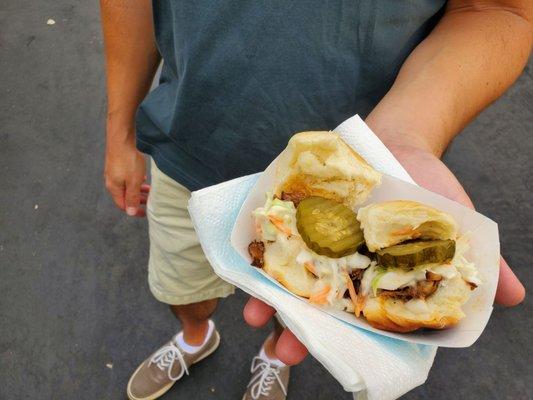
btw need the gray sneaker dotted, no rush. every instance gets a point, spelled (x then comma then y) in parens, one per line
(161, 370)
(269, 381)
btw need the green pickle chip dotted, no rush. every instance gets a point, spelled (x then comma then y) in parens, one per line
(411, 254)
(328, 228)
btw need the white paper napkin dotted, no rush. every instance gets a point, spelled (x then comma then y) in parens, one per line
(373, 366)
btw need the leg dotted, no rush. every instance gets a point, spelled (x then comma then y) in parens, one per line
(180, 276)
(178, 271)
(193, 318)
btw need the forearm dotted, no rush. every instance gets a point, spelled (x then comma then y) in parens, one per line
(131, 60)
(472, 56)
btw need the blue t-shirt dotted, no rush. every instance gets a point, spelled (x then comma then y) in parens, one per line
(240, 77)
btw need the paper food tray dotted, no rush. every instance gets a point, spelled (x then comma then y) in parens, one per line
(484, 252)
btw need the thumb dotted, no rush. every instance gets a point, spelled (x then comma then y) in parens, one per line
(133, 197)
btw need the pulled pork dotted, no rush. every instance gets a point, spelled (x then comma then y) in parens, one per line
(432, 276)
(294, 197)
(355, 276)
(422, 290)
(256, 249)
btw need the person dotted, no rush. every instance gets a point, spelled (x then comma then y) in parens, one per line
(238, 79)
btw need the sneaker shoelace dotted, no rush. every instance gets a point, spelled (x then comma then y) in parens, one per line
(264, 376)
(165, 358)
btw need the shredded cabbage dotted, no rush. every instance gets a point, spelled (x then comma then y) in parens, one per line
(375, 282)
(275, 207)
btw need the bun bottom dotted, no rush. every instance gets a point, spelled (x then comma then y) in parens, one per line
(294, 277)
(439, 311)
(280, 263)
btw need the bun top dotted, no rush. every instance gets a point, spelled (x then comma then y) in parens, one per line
(322, 164)
(392, 222)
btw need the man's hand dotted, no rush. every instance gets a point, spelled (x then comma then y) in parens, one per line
(125, 174)
(429, 172)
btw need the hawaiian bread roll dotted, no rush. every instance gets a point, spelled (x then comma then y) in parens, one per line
(435, 291)
(441, 310)
(280, 263)
(322, 164)
(392, 222)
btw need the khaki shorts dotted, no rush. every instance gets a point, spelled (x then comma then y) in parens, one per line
(178, 272)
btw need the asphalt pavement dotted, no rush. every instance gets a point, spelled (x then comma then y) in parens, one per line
(76, 314)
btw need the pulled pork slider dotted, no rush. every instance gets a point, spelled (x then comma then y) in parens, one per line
(308, 235)
(420, 278)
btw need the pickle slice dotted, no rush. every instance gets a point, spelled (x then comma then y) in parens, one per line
(409, 255)
(328, 228)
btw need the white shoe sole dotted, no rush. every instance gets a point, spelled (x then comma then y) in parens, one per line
(166, 388)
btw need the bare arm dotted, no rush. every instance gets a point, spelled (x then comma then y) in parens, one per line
(476, 51)
(131, 62)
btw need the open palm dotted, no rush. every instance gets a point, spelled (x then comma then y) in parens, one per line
(430, 172)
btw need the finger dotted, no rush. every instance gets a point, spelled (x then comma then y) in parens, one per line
(510, 291)
(143, 198)
(256, 313)
(117, 194)
(145, 188)
(133, 198)
(289, 349)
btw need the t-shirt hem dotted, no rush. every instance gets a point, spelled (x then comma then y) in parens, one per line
(167, 167)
